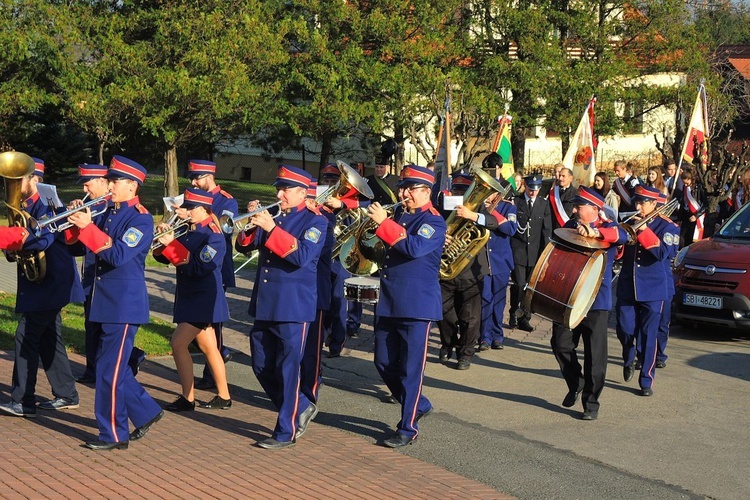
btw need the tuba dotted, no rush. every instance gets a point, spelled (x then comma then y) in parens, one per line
(347, 220)
(14, 167)
(467, 237)
(363, 254)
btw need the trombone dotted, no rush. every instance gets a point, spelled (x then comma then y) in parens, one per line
(228, 224)
(178, 226)
(52, 225)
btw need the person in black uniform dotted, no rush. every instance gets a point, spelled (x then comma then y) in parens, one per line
(200, 302)
(534, 230)
(382, 183)
(561, 198)
(39, 331)
(462, 295)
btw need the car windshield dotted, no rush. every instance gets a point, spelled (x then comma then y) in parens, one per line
(738, 225)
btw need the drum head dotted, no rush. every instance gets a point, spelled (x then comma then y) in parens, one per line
(362, 282)
(571, 236)
(586, 288)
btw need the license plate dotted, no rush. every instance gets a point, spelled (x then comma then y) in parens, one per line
(703, 301)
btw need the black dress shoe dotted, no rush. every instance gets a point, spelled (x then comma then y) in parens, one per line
(305, 418)
(399, 440)
(496, 344)
(637, 365)
(390, 399)
(141, 431)
(138, 362)
(86, 379)
(627, 372)
(590, 415)
(420, 416)
(571, 398)
(445, 353)
(205, 384)
(525, 326)
(104, 446)
(217, 403)
(272, 444)
(512, 321)
(463, 364)
(647, 391)
(226, 355)
(334, 354)
(484, 346)
(661, 364)
(181, 404)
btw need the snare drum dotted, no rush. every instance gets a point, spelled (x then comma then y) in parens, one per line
(364, 289)
(565, 282)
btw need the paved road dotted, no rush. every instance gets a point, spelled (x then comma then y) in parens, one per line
(501, 422)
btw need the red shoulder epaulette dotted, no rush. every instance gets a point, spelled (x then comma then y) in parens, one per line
(214, 227)
(227, 195)
(434, 211)
(141, 209)
(314, 210)
(325, 209)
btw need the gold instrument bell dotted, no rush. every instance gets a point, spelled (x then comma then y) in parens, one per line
(348, 220)
(467, 237)
(14, 166)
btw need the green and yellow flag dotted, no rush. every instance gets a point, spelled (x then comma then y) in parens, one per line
(503, 148)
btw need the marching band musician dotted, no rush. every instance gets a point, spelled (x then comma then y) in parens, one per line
(414, 241)
(588, 206)
(462, 295)
(202, 176)
(200, 302)
(494, 292)
(95, 185)
(284, 299)
(528, 243)
(39, 331)
(310, 374)
(642, 288)
(121, 240)
(666, 313)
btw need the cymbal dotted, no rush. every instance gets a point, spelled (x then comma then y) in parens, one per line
(570, 235)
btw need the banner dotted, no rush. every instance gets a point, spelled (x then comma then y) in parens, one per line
(503, 147)
(698, 128)
(581, 154)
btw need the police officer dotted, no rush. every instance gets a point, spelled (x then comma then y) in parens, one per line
(121, 240)
(642, 288)
(95, 185)
(39, 331)
(284, 299)
(200, 303)
(494, 292)
(534, 229)
(409, 295)
(588, 205)
(462, 295)
(202, 175)
(561, 198)
(310, 371)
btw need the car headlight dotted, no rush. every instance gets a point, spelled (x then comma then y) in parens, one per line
(680, 257)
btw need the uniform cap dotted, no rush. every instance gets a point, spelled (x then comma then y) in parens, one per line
(330, 171)
(196, 168)
(587, 196)
(124, 168)
(289, 176)
(87, 171)
(195, 197)
(312, 189)
(462, 181)
(646, 193)
(413, 174)
(661, 200)
(38, 167)
(533, 181)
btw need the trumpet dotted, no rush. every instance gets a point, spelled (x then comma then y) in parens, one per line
(228, 223)
(178, 226)
(52, 225)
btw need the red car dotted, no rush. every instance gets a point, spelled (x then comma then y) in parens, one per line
(712, 276)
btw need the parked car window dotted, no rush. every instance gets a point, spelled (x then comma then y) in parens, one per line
(738, 226)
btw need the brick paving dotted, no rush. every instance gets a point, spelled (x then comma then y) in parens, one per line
(203, 454)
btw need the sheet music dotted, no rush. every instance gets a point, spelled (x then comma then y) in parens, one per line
(48, 194)
(451, 202)
(172, 201)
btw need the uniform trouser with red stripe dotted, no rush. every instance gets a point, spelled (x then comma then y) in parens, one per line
(564, 343)
(119, 396)
(310, 374)
(663, 337)
(639, 321)
(276, 350)
(400, 356)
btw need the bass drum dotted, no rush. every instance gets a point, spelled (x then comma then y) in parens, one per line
(565, 282)
(363, 289)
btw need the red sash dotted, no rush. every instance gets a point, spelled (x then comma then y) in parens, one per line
(557, 207)
(694, 206)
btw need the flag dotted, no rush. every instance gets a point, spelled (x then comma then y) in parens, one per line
(698, 128)
(503, 147)
(443, 167)
(581, 154)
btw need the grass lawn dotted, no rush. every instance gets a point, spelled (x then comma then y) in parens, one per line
(152, 338)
